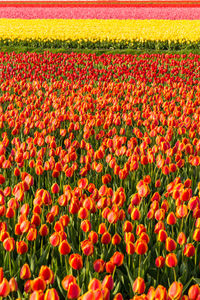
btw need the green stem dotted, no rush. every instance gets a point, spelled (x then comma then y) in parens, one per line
(10, 265)
(66, 264)
(195, 258)
(41, 247)
(52, 259)
(174, 274)
(139, 265)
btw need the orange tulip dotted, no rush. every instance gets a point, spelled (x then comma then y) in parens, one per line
(67, 281)
(117, 258)
(141, 247)
(21, 247)
(64, 248)
(94, 284)
(38, 284)
(4, 288)
(139, 285)
(73, 291)
(13, 284)
(171, 260)
(175, 290)
(99, 265)
(75, 261)
(9, 244)
(37, 295)
(25, 272)
(108, 282)
(194, 292)
(51, 294)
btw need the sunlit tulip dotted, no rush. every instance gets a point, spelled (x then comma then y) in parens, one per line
(38, 284)
(175, 290)
(189, 250)
(141, 247)
(51, 294)
(139, 285)
(25, 272)
(73, 291)
(75, 261)
(171, 260)
(94, 284)
(4, 288)
(108, 282)
(99, 265)
(160, 262)
(21, 247)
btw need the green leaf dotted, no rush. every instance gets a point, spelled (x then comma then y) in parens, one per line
(60, 286)
(117, 287)
(153, 273)
(130, 275)
(187, 285)
(197, 280)
(44, 256)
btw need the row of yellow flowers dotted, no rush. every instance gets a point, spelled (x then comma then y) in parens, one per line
(100, 30)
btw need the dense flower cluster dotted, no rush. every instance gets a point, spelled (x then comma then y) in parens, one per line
(99, 180)
(94, 33)
(106, 12)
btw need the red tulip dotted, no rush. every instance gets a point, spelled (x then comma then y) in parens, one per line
(51, 294)
(73, 291)
(25, 272)
(139, 285)
(4, 288)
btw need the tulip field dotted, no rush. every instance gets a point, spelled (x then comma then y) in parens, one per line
(100, 154)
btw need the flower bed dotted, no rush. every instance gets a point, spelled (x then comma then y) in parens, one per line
(170, 13)
(99, 159)
(120, 34)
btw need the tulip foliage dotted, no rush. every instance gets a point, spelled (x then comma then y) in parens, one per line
(99, 176)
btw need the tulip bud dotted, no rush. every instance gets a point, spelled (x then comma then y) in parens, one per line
(118, 297)
(189, 250)
(175, 290)
(51, 294)
(108, 282)
(181, 239)
(110, 267)
(139, 286)
(193, 292)
(171, 219)
(93, 237)
(99, 265)
(130, 248)
(37, 295)
(38, 284)
(160, 293)
(94, 284)
(64, 248)
(117, 258)
(171, 260)
(9, 244)
(141, 247)
(21, 247)
(67, 281)
(106, 238)
(4, 288)
(116, 239)
(73, 291)
(47, 274)
(160, 261)
(75, 261)
(170, 244)
(25, 272)
(55, 188)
